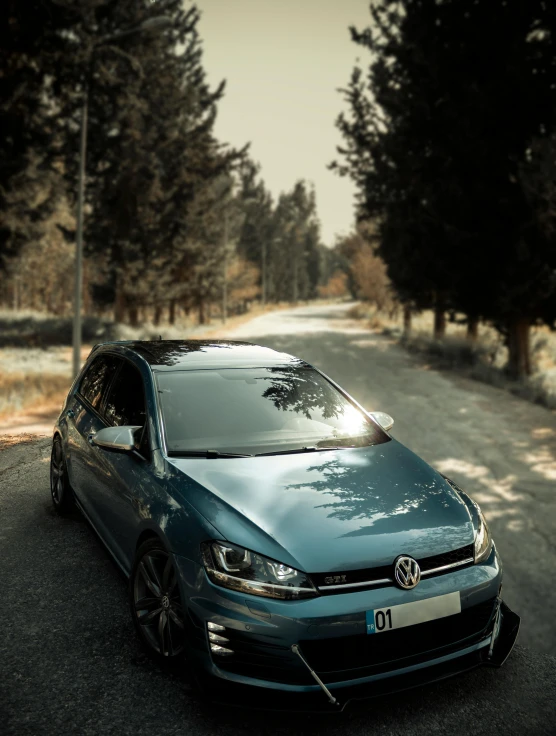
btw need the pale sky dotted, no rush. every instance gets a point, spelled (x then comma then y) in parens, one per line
(283, 61)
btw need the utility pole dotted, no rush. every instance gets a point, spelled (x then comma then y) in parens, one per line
(263, 275)
(265, 268)
(225, 284)
(295, 277)
(78, 295)
(295, 265)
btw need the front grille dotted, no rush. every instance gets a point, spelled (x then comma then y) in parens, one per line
(448, 558)
(324, 580)
(330, 658)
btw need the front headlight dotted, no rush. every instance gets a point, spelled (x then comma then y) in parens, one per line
(483, 540)
(239, 569)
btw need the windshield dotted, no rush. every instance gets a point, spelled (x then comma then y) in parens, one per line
(259, 410)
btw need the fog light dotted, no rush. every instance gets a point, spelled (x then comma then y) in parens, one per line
(217, 649)
(216, 640)
(216, 637)
(215, 627)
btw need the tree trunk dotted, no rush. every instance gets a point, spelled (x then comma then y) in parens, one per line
(172, 312)
(472, 329)
(119, 301)
(519, 359)
(157, 314)
(15, 302)
(406, 321)
(439, 322)
(202, 316)
(133, 313)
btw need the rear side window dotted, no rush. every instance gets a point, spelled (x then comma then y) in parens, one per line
(97, 378)
(126, 401)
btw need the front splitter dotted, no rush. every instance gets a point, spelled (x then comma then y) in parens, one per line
(253, 697)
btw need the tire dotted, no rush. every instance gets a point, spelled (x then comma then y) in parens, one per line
(60, 489)
(155, 603)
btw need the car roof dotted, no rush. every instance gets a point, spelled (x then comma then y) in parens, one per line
(166, 355)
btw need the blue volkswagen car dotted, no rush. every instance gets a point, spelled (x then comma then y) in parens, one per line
(276, 537)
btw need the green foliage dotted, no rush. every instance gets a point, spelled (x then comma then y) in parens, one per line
(151, 151)
(152, 156)
(296, 256)
(447, 139)
(285, 235)
(167, 204)
(29, 45)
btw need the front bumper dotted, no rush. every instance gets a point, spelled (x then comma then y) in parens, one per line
(330, 631)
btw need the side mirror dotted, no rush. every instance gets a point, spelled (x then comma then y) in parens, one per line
(115, 438)
(382, 418)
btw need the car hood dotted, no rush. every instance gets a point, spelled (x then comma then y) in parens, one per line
(330, 511)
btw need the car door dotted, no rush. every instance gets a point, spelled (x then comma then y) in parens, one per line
(84, 419)
(119, 473)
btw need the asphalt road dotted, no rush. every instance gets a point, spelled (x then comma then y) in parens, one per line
(70, 662)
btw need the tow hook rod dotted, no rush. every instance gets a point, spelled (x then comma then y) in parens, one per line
(296, 650)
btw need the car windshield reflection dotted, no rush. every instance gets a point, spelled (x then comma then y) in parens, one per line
(254, 411)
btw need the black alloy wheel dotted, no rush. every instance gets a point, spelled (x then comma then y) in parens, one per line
(156, 605)
(60, 489)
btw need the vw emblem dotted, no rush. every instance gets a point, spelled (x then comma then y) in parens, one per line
(407, 572)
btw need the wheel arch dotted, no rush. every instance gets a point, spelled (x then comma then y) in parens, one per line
(147, 534)
(60, 432)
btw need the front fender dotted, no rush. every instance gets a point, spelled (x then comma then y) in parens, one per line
(165, 511)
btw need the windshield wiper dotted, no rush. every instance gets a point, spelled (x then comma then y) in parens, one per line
(210, 454)
(214, 454)
(299, 449)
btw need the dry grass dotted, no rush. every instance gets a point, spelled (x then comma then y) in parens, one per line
(18, 391)
(29, 329)
(362, 311)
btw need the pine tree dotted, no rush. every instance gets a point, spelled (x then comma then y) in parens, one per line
(30, 43)
(257, 236)
(295, 262)
(440, 141)
(151, 147)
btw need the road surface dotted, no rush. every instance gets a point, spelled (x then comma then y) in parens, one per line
(70, 661)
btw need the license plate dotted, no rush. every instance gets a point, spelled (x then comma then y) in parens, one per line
(409, 614)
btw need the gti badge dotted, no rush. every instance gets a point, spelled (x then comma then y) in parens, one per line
(407, 572)
(338, 579)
